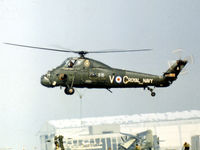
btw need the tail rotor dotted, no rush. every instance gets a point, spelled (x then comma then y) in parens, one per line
(187, 59)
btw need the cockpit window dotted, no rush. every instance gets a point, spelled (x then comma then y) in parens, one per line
(72, 62)
(78, 62)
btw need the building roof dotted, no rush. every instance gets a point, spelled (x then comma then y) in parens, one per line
(126, 119)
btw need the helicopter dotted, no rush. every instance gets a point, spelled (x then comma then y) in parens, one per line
(84, 72)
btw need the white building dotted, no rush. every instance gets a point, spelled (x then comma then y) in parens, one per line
(173, 129)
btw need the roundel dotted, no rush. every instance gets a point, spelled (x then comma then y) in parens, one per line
(118, 79)
(87, 63)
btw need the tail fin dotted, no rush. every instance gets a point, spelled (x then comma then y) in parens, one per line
(172, 73)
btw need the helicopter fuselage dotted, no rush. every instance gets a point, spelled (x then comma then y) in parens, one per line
(88, 73)
(84, 72)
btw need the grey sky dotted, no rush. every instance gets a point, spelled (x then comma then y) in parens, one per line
(25, 105)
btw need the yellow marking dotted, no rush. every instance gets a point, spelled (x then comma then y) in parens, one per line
(87, 63)
(111, 78)
(147, 80)
(126, 80)
(170, 75)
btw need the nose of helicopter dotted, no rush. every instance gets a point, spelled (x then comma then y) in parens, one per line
(45, 81)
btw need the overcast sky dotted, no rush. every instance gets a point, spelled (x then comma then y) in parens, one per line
(25, 105)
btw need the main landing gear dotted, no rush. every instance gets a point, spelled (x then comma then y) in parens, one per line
(69, 91)
(152, 92)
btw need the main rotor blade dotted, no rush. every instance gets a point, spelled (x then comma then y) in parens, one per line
(43, 48)
(82, 53)
(119, 50)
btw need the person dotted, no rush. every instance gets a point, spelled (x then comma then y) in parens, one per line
(137, 147)
(186, 146)
(56, 142)
(60, 139)
(70, 65)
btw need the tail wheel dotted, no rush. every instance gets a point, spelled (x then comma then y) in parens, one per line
(69, 91)
(153, 94)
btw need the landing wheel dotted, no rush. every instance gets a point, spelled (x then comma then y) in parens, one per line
(153, 94)
(69, 91)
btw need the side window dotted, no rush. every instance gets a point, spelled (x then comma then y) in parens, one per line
(78, 62)
(71, 63)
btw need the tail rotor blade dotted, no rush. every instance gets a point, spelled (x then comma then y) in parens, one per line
(184, 72)
(170, 63)
(190, 59)
(178, 52)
